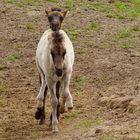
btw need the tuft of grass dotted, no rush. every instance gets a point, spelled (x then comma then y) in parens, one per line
(80, 79)
(22, 3)
(106, 138)
(72, 114)
(117, 9)
(52, 1)
(87, 123)
(9, 58)
(127, 32)
(138, 138)
(30, 27)
(92, 27)
(3, 101)
(12, 57)
(69, 4)
(126, 46)
(36, 134)
(80, 50)
(72, 33)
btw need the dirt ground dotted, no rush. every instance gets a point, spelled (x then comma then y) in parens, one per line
(106, 78)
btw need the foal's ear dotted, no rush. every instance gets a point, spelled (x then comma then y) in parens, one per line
(47, 12)
(64, 13)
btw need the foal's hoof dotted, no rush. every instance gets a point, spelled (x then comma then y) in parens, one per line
(42, 120)
(62, 109)
(55, 129)
(70, 108)
(69, 103)
(38, 113)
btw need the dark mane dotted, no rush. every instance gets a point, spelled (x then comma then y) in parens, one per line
(56, 9)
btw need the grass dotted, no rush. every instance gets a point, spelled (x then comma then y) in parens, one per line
(52, 1)
(118, 9)
(136, 138)
(127, 32)
(22, 3)
(108, 138)
(80, 50)
(30, 27)
(92, 27)
(80, 79)
(87, 123)
(72, 114)
(11, 58)
(69, 4)
(73, 33)
(3, 102)
(126, 37)
(127, 46)
(36, 134)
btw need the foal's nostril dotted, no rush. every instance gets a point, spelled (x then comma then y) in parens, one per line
(59, 72)
(55, 24)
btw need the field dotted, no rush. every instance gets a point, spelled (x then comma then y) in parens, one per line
(105, 83)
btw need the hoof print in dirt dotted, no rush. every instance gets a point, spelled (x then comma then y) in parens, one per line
(38, 113)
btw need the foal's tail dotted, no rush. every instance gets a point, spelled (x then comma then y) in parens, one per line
(57, 37)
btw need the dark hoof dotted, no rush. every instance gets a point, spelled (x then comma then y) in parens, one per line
(42, 120)
(38, 113)
(70, 108)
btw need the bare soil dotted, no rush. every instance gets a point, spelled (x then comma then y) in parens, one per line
(105, 84)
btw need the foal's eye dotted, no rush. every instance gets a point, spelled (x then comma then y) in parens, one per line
(61, 18)
(50, 18)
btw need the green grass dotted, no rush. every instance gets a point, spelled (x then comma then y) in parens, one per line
(36, 134)
(127, 32)
(73, 33)
(108, 138)
(11, 58)
(52, 1)
(92, 27)
(72, 114)
(22, 3)
(3, 101)
(87, 123)
(80, 50)
(118, 9)
(127, 46)
(69, 4)
(80, 79)
(138, 138)
(30, 27)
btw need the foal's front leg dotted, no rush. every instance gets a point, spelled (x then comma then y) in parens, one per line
(67, 97)
(40, 113)
(54, 103)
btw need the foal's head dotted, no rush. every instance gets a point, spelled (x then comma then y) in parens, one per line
(58, 53)
(55, 18)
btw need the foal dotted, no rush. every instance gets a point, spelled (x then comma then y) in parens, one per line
(54, 59)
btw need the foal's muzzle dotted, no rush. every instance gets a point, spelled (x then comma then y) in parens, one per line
(55, 26)
(59, 72)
